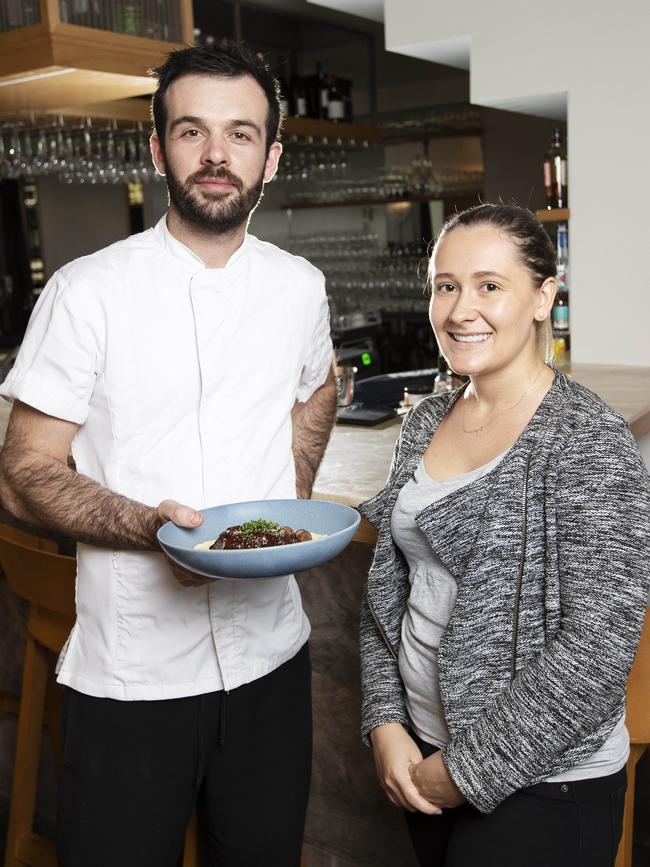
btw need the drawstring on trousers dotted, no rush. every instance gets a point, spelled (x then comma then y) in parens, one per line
(222, 718)
(221, 732)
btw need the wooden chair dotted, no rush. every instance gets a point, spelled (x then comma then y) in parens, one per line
(638, 725)
(46, 580)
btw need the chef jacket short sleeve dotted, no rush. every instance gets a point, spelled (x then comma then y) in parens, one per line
(60, 357)
(319, 351)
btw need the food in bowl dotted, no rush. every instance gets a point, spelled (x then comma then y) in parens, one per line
(257, 534)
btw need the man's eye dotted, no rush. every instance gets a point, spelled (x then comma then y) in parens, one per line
(241, 136)
(191, 133)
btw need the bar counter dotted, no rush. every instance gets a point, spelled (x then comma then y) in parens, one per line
(358, 458)
(350, 822)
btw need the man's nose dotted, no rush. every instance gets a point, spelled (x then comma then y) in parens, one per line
(215, 152)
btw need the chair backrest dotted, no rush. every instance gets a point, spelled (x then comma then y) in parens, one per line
(43, 577)
(638, 691)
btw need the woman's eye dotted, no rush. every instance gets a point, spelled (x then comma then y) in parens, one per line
(445, 288)
(490, 287)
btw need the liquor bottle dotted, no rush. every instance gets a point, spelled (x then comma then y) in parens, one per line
(560, 314)
(555, 173)
(562, 247)
(335, 104)
(297, 97)
(443, 381)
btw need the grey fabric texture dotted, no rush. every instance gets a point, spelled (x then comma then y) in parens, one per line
(551, 554)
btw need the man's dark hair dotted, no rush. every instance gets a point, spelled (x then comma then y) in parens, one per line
(226, 59)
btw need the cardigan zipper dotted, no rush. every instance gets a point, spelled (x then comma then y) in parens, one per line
(520, 576)
(380, 628)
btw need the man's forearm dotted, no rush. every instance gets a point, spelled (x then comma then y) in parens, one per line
(45, 491)
(312, 425)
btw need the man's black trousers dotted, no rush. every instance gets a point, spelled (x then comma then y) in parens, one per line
(133, 771)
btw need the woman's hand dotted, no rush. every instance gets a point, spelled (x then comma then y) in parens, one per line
(431, 779)
(394, 752)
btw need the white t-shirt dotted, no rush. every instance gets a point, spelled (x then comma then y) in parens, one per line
(430, 605)
(182, 379)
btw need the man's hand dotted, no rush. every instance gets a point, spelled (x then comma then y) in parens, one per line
(431, 779)
(182, 516)
(394, 752)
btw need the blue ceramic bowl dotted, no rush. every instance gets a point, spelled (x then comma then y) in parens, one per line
(339, 522)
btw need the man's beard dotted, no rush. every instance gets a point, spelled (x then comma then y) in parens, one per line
(220, 212)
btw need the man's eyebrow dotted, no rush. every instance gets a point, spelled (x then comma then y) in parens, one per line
(187, 118)
(243, 122)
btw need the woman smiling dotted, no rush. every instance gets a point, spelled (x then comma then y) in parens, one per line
(508, 588)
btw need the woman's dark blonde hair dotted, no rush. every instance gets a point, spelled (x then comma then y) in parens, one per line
(536, 250)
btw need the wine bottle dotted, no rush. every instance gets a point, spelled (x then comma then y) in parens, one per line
(555, 173)
(297, 97)
(335, 104)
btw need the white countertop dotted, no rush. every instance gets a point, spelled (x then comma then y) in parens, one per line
(357, 459)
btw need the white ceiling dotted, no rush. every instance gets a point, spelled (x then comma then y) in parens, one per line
(373, 9)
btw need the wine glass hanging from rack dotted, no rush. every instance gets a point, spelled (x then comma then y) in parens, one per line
(76, 150)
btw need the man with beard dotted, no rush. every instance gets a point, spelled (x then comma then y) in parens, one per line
(189, 364)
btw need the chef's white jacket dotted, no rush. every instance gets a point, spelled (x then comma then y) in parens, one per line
(182, 379)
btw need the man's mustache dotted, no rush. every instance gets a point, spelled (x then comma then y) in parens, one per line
(220, 174)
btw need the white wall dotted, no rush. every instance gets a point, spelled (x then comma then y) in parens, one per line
(525, 56)
(586, 61)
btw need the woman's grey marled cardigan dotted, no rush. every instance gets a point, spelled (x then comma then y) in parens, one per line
(551, 554)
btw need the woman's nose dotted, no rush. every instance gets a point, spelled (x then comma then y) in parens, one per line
(463, 308)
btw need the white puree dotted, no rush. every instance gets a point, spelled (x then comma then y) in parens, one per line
(205, 546)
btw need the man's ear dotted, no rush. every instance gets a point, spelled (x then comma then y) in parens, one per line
(272, 160)
(157, 154)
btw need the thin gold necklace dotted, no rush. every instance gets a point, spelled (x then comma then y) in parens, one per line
(477, 430)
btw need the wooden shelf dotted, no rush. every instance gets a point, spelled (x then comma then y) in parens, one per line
(53, 66)
(553, 215)
(349, 203)
(308, 127)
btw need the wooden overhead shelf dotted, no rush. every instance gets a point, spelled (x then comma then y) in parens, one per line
(553, 215)
(308, 127)
(53, 65)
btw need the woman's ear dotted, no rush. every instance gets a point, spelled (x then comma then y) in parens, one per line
(545, 299)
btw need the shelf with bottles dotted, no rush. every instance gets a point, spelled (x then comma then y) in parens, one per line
(62, 53)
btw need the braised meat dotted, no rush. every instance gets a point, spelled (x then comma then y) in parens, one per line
(259, 534)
